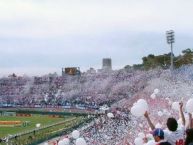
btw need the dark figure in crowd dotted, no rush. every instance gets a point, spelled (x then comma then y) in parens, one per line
(189, 137)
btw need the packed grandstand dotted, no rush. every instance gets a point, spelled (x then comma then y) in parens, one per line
(116, 90)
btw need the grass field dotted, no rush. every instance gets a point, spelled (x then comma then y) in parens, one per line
(44, 120)
(31, 135)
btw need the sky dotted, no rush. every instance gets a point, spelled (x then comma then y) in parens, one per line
(42, 36)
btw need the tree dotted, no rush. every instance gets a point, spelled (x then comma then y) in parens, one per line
(184, 59)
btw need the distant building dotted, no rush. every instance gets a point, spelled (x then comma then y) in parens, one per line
(107, 65)
(71, 71)
(91, 71)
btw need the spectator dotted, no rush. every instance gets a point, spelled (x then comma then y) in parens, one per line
(189, 137)
(158, 135)
(176, 136)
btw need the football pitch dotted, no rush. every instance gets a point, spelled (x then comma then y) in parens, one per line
(43, 120)
(32, 129)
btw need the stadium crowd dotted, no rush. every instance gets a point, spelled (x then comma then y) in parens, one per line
(87, 90)
(118, 90)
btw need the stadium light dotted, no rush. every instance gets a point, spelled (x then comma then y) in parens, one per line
(170, 41)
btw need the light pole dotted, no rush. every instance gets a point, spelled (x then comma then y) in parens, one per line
(170, 41)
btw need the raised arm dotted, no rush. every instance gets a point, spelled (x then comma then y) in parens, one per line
(190, 120)
(152, 126)
(182, 114)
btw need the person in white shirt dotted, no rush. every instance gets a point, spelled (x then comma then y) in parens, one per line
(175, 135)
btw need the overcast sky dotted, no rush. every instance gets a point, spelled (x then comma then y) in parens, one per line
(42, 36)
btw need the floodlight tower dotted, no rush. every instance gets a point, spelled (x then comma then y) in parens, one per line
(170, 41)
